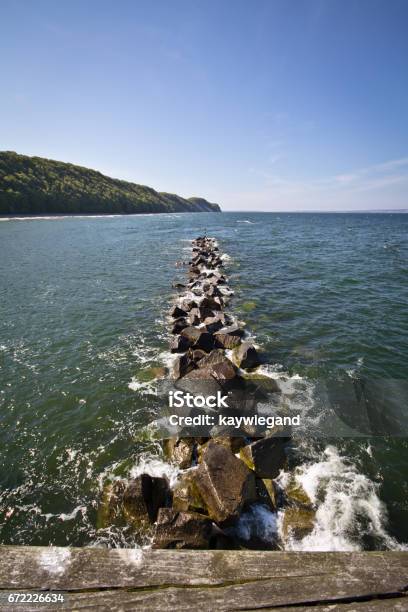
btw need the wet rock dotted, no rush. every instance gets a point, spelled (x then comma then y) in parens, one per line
(267, 492)
(247, 356)
(179, 325)
(210, 359)
(186, 496)
(199, 382)
(187, 304)
(211, 303)
(198, 338)
(179, 344)
(194, 316)
(233, 330)
(226, 341)
(177, 312)
(179, 451)
(183, 365)
(295, 494)
(197, 354)
(110, 507)
(266, 456)
(232, 443)
(298, 522)
(224, 483)
(182, 530)
(214, 323)
(142, 498)
(179, 286)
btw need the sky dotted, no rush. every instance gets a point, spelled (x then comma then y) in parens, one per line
(255, 104)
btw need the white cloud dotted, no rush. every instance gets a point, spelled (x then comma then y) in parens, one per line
(383, 185)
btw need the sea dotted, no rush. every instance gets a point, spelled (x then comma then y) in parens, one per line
(83, 333)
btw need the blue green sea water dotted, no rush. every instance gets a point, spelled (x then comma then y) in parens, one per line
(82, 325)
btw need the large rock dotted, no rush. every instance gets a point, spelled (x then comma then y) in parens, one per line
(266, 456)
(186, 496)
(233, 330)
(110, 508)
(198, 338)
(224, 371)
(298, 522)
(224, 483)
(180, 451)
(183, 365)
(226, 341)
(199, 382)
(182, 530)
(268, 492)
(214, 324)
(142, 498)
(247, 356)
(179, 324)
(177, 312)
(211, 303)
(179, 344)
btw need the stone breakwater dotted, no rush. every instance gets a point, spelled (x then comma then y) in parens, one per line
(225, 474)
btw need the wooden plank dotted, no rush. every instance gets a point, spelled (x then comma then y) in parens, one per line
(223, 580)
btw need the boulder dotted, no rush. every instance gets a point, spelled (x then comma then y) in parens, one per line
(186, 496)
(142, 498)
(211, 303)
(179, 324)
(187, 304)
(226, 341)
(183, 365)
(298, 522)
(233, 330)
(247, 356)
(180, 451)
(266, 456)
(224, 371)
(110, 507)
(233, 443)
(214, 324)
(182, 530)
(199, 382)
(178, 344)
(197, 354)
(194, 316)
(224, 483)
(198, 338)
(267, 492)
(179, 286)
(210, 359)
(177, 312)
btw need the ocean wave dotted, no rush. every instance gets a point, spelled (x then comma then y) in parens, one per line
(348, 506)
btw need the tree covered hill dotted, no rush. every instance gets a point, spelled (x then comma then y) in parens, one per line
(35, 185)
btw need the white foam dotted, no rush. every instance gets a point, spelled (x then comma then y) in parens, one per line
(144, 388)
(258, 521)
(155, 466)
(348, 506)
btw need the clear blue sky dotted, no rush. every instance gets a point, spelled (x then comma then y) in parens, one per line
(255, 104)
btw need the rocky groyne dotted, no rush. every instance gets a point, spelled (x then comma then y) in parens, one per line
(227, 473)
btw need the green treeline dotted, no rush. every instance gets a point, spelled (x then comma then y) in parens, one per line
(34, 185)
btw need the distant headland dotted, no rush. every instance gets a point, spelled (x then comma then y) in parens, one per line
(35, 185)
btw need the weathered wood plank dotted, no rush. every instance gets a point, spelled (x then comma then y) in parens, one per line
(117, 579)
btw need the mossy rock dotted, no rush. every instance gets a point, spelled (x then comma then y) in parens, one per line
(296, 495)
(267, 492)
(298, 522)
(110, 510)
(186, 496)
